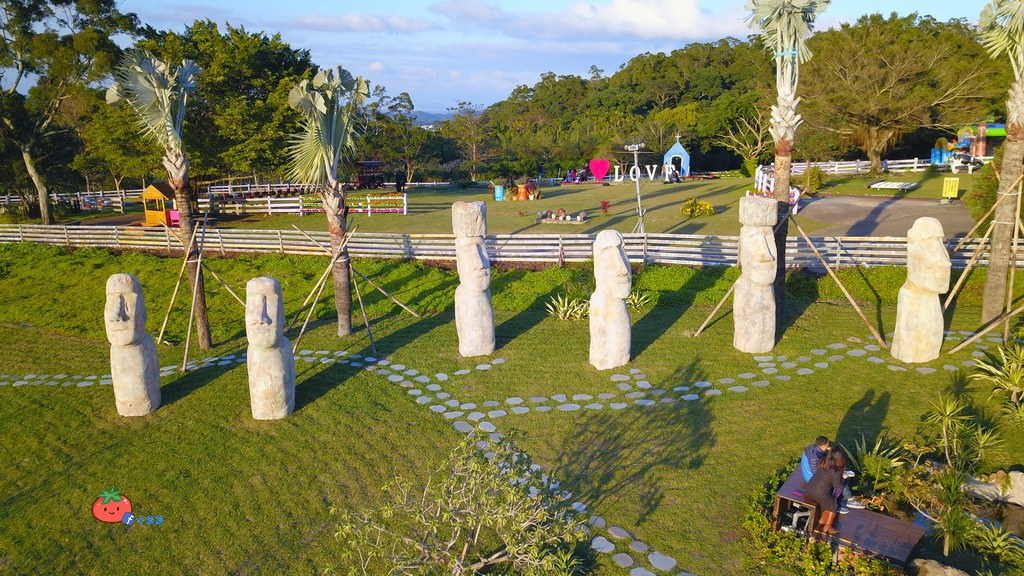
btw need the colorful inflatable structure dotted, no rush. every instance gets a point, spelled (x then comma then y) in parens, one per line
(967, 147)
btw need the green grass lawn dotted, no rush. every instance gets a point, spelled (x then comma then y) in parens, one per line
(929, 185)
(430, 210)
(244, 497)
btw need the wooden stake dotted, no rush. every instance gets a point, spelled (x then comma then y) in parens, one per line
(177, 284)
(715, 311)
(981, 220)
(322, 280)
(361, 275)
(831, 273)
(987, 328)
(366, 321)
(210, 270)
(308, 316)
(1013, 266)
(195, 290)
(967, 269)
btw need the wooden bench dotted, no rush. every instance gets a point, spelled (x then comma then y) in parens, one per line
(861, 530)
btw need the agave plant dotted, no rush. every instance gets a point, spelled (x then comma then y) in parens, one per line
(638, 299)
(564, 307)
(1005, 373)
(877, 465)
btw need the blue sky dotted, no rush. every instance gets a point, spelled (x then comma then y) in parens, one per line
(443, 51)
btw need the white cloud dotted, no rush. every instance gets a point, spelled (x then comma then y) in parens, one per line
(361, 23)
(376, 66)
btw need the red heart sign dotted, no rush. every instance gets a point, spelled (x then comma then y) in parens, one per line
(599, 168)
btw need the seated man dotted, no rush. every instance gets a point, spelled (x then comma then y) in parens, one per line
(809, 465)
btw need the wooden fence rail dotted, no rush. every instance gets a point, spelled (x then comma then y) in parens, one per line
(554, 248)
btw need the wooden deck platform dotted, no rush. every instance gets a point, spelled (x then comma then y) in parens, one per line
(862, 530)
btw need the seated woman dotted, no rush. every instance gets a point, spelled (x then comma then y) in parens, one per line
(825, 487)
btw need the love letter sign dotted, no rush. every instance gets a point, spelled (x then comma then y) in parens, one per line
(599, 168)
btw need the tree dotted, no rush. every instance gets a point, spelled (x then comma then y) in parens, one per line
(112, 147)
(158, 95)
(874, 81)
(466, 127)
(478, 512)
(1002, 30)
(785, 26)
(64, 45)
(329, 106)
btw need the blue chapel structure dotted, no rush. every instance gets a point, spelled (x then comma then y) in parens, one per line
(678, 157)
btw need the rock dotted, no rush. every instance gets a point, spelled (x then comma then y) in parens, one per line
(753, 300)
(1015, 495)
(134, 369)
(919, 320)
(610, 329)
(661, 561)
(601, 544)
(933, 568)
(623, 560)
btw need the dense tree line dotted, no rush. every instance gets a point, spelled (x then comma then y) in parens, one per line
(881, 85)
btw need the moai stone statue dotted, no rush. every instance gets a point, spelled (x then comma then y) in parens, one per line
(919, 322)
(474, 315)
(133, 364)
(610, 330)
(753, 301)
(270, 362)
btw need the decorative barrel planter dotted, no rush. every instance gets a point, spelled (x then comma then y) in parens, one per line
(499, 193)
(523, 193)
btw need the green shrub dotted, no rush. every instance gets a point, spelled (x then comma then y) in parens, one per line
(814, 180)
(694, 208)
(982, 194)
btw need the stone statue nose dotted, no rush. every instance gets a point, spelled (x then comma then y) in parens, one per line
(265, 318)
(121, 314)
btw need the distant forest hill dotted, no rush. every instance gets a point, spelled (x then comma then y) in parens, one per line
(423, 118)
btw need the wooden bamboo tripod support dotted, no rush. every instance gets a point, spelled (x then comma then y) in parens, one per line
(318, 289)
(362, 309)
(715, 311)
(210, 270)
(195, 294)
(177, 284)
(327, 251)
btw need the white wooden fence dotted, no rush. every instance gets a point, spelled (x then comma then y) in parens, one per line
(388, 203)
(555, 248)
(764, 178)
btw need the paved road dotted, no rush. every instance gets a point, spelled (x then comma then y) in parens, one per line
(874, 216)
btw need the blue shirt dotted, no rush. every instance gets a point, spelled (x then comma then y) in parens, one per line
(809, 461)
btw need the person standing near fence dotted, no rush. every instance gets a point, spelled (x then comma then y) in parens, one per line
(399, 181)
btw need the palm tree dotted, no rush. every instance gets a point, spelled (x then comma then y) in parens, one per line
(158, 94)
(1002, 32)
(329, 105)
(785, 26)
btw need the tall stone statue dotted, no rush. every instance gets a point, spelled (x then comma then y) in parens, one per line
(474, 315)
(610, 331)
(754, 301)
(919, 321)
(270, 362)
(133, 364)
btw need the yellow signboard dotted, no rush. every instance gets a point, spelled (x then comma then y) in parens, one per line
(950, 187)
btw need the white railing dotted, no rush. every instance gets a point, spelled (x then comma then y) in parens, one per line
(555, 248)
(764, 178)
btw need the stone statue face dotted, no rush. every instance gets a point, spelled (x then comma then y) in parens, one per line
(757, 254)
(473, 266)
(611, 267)
(124, 315)
(928, 262)
(264, 312)
(469, 219)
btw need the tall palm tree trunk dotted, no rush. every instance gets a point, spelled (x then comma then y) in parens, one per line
(1005, 214)
(334, 207)
(783, 169)
(195, 272)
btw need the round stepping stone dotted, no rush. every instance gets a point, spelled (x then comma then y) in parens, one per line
(821, 365)
(305, 352)
(407, 384)
(437, 408)
(462, 372)
(645, 402)
(680, 388)
(643, 384)
(514, 400)
(597, 522)
(658, 392)
(476, 416)
(853, 339)
(341, 353)
(422, 379)
(836, 346)
(968, 363)
(856, 352)
(639, 546)
(542, 408)
(805, 371)
(782, 378)
(703, 384)
(872, 347)
(424, 400)
(966, 333)
(559, 397)
(568, 407)
(770, 371)
(414, 392)
(782, 358)
(441, 377)
(594, 406)
(747, 375)
(690, 397)
(487, 427)
(617, 532)
(895, 368)
(491, 404)
(624, 386)
(602, 545)
(463, 426)
(764, 358)
(453, 403)
(396, 378)
(453, 415)
(789, 364)
(662, 562)
(738, 389)
(761, 383)
(623, 560)
(520, 409)
(634, 370)
(803, 359)
(766, 365)
(950, 368)
(582, 397)
(383, 372)
(497, 414)
(2, 383)
(330, 361)
(875, 360)
(619, 377)
(483, 366)
(223, 362)
(712, 392)
(443, 395)
(579, 507)
(606, 396)
(667, 400)
(617, 405)
(926, 370)
(726, 381)
(468, 406)
(835, 358)
(355, 364)
(85, 383)
(818, 352)
(978, 354)
(635, 395)
(538, 399)
(641, 572)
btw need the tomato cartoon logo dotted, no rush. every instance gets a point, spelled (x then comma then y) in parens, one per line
(111, 506)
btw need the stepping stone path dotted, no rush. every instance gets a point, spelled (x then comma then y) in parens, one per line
(623, 560)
